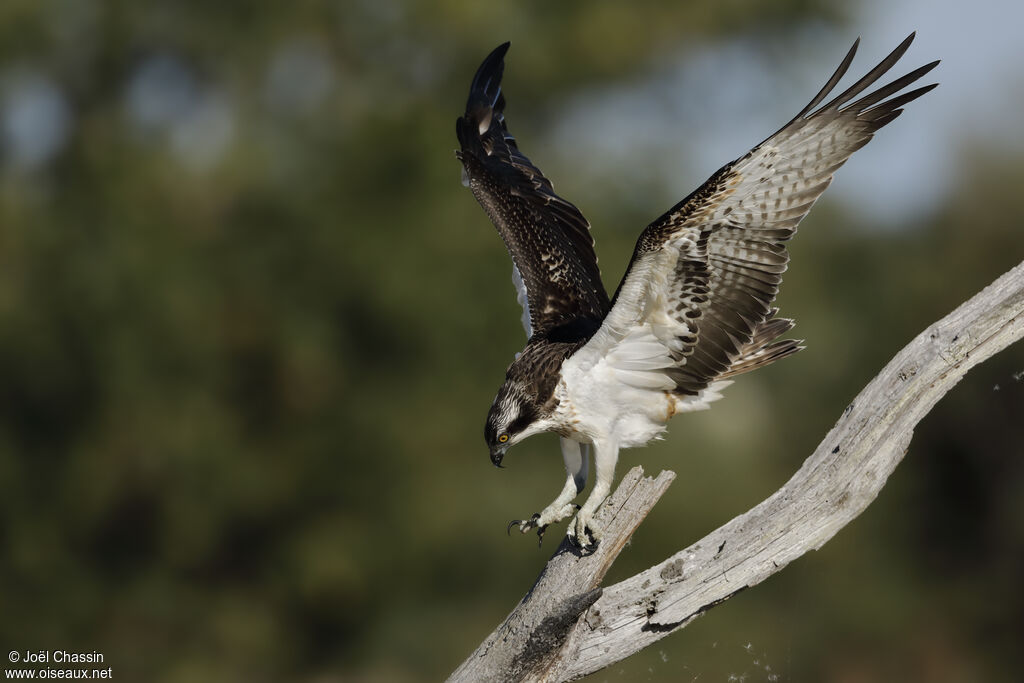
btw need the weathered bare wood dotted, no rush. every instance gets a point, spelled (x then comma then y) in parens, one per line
(532, 635)
(834, 485)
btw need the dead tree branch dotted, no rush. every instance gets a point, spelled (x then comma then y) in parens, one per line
(544, 637)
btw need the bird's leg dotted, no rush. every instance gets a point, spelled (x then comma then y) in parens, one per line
(605, 456)
(575, 456)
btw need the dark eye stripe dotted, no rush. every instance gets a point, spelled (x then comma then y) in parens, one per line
(520, 423)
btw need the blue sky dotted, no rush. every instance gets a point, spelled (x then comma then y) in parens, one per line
(674, 126)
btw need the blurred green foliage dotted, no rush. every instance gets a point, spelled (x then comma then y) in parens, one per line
(249, 333)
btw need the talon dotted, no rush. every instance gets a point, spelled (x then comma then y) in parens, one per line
(583, 532)
(573, 537)
(585, 540)
(523, 524)
(540, 534)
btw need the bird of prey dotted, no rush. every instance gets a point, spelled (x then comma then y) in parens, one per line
(694, 308)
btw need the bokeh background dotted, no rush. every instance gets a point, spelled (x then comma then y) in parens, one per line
(251, 324)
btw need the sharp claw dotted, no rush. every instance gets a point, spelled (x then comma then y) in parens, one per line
(540, 534)
(530, 524)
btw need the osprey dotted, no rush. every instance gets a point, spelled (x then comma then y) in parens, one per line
(693, 309)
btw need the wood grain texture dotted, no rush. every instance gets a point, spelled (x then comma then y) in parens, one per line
(531, 637)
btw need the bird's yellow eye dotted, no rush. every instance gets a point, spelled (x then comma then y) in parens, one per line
(503, 438)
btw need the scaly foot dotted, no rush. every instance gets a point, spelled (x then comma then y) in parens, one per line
(583, 530)
(542, 520)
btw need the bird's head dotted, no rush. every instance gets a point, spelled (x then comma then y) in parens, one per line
(514, 415)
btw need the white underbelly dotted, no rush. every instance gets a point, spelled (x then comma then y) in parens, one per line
(638, 428)
(627, 415)
(602, 406)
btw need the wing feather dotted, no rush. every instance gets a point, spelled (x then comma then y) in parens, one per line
(548, 238)
(704, 275)
(522, 299)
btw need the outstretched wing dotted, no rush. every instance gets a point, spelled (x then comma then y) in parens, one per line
(695, 304)
(548, 238)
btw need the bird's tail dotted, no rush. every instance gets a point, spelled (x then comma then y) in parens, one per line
(764, 347)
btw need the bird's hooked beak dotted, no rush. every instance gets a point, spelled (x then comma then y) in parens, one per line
(497, 453)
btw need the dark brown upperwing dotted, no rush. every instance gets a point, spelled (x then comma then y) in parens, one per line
(548, 238)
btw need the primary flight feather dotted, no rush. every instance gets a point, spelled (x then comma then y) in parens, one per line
(694, 308)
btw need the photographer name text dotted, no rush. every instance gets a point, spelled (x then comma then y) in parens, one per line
(59, 657)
